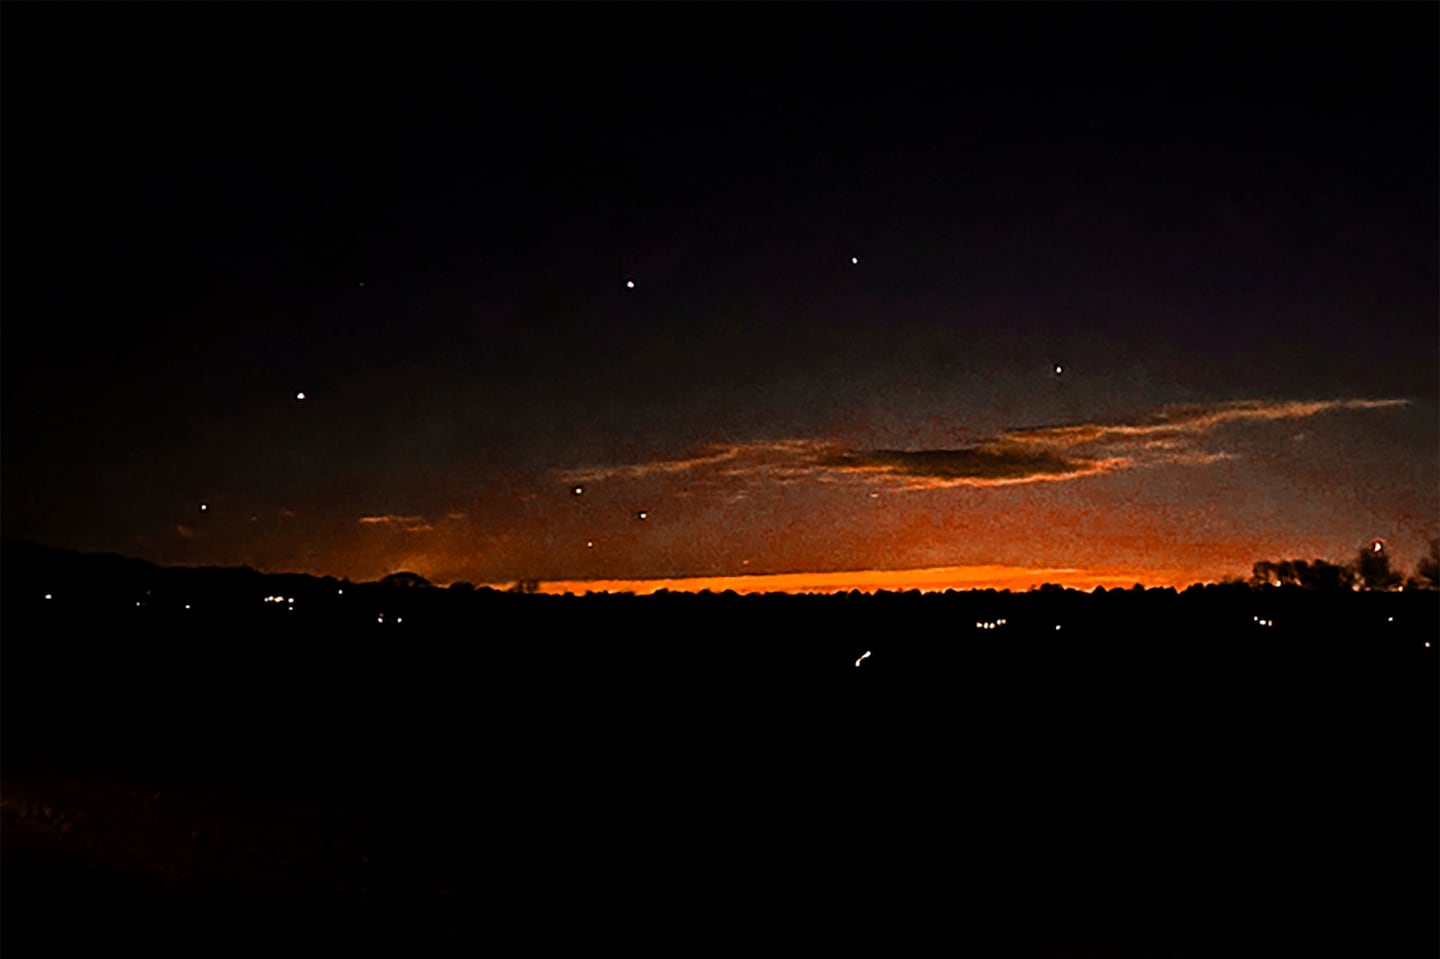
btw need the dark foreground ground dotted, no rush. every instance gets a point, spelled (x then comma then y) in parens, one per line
(1163, 776)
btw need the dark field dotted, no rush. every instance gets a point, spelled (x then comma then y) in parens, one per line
(1161, 776)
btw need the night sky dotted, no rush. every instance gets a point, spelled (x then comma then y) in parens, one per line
(984, 294)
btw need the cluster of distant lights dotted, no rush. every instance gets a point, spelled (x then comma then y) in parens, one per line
(982, 624)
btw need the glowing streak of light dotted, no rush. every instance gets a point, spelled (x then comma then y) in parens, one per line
(864, 656)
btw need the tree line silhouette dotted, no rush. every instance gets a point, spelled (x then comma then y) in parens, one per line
(1369, 570)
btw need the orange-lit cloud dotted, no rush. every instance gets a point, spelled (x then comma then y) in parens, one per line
(410, 524)
(1018, 456)
(1174, 424)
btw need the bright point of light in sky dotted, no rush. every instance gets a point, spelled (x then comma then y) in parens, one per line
(589, 544)
(1059, 369)
(643, 515)
(855, 260)
(1377, 546)
(204, 507)
(863, 657)
(1057, 626)
(578, 490)
(187, 605)
(49, 596)
(629, 284)
(300, 396)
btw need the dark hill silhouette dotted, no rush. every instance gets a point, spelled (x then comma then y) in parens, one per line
(405, 580)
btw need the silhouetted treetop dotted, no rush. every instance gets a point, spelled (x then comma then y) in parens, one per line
(1427, 571)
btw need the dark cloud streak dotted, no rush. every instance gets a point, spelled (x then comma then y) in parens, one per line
(1020, 456)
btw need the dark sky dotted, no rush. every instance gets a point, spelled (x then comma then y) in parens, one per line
(1219, 220)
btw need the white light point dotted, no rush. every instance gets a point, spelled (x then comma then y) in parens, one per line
(340, 592)
(854, 261)
(864, 656)
(578, 490)
(204, 507)
(300, 396)
(1057, 627)
(1059, 369)
(1377, 547)
(643, 515)
(49, 596)
(399, 619)
(629, 284)
(1389, 619)
(589, 544)
(1427, 644)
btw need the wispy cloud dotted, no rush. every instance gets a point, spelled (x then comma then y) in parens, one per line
(1019, 456)
(410, 524)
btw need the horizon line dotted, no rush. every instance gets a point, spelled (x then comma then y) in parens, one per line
(928, 579)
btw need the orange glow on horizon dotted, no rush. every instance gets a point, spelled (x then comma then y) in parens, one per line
(933, 579)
